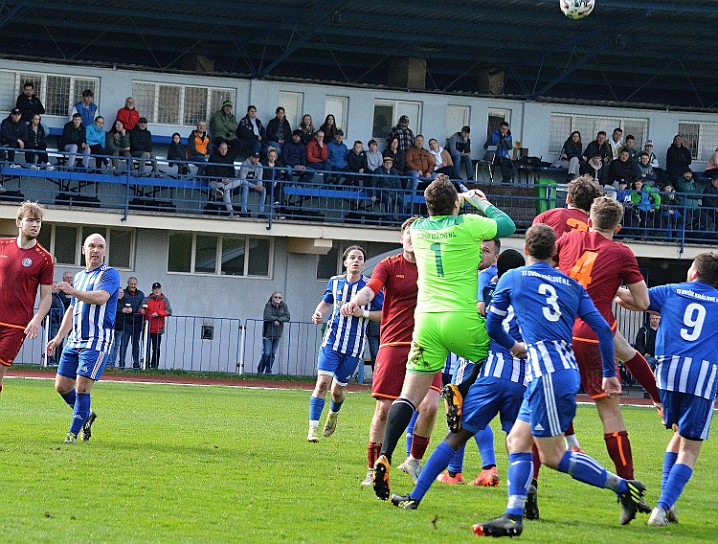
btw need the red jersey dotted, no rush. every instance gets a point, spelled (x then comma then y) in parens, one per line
(22, 271)
(563, 220)
(601, 266)
(398, 277)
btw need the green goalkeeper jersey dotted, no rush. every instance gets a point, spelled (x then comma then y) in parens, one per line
(448, 253)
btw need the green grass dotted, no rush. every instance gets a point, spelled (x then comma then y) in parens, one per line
(217, 464)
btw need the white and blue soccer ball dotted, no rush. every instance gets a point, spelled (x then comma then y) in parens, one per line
(577, 9)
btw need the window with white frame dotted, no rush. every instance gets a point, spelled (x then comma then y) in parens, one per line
(496, 116)
(457, 117)
(219, 255)
(293, 104)
(58, 93)
(563, 124)
(331, 264)
(171, 104)
(387, 113)
(338, 106)
(700, 137)
(64, 242)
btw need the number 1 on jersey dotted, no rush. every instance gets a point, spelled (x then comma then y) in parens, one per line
(436, 248)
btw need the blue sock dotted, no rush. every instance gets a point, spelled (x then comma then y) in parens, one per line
(80, 413)
(583, 468)
(457, 462)
(521, 471)
(677, 480)
(669, 459)
(485, 441)
(437, 462)
(410, 432)
(316, 405)
(335, 406)
(70, 398)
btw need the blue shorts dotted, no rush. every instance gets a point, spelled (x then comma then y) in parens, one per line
(461, 371)
(488, 397)
(692, 414)
(338, 365)
(549, 404)
(89, 363)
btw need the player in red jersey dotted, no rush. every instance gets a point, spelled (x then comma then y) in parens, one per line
(602, 266)
(581, 193)
(24, 265)
(397, 275)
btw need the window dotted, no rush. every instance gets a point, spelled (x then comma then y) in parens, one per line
(331, 264)
(64, 243)
(496, 117)
(562, 125)
(293, 104)
(457, 117)
(219, 255)
(58, 93)
(700, 138)
(168, 104)
(387, 113)
(338, 106)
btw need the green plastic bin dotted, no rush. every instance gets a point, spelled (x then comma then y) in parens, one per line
(545, 195)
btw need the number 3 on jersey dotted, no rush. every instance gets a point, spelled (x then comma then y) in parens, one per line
(436, 248)
(551, 311)
(581, 271)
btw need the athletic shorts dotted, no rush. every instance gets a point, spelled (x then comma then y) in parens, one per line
(487, 398)
(89, 363)
(390, 370)
(588, 357)
(11, 339)
(438, 334)
(549, 404)
(462, 371)
(692, 414)
(338, 365)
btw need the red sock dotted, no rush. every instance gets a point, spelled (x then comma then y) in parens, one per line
(372, 453)
(639, 369)
(537, 461)
(418, 446)
(619, 450)
(569, 430)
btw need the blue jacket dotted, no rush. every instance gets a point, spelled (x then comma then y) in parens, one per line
(95, 135)
(294, 154)
(88, 113)
(503, 145)
(338, 154)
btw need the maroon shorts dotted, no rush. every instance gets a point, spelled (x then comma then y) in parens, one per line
(588, 357)
(390, 370)
(11, 339)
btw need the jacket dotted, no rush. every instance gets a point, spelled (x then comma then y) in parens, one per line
(691, 193)
(419, 159)
(678, 159)
(646, 341)
(646, 199)
(95, 135)
(220, 166)
(140, 140)
(646, 173)
(384, 179)
(503, 144)
(272, 314)
(571, 149)
(277, 131)
(404, 135)
(12, 132)
(338, 154)
(197, 144)
(176, 152)
(72, 135)
(294, 154)
(593, 150)
(459, 145)
(356, 161)
(223, 126)
(443, 156)
(29, 106)
(161, 306)
(399, 159)
(89, 113)
(618, 170)
(133, 320)
(116, 142)
(245, 130)
(315, 153)
(710, 197)
(36, 139)
(129, 117)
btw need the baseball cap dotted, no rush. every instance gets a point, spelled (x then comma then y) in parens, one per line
(255, 155)
(649, 142)
(388, 159)
(156, 285)
(227, 103)
(15, 111)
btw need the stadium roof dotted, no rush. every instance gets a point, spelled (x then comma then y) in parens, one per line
(659, 52)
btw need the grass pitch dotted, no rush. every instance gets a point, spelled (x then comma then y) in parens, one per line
(217, 464)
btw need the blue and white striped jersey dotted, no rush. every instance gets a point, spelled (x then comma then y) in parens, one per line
(546, 302)
(346, 334)
(93, 325)
(687, 337)
(500, 363)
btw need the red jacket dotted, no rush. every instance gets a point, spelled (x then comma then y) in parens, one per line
(129, 117)
(315, 153)
(159, 305)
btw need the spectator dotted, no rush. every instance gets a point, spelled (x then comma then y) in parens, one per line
(223, 176)
(419, 163)
(374, 158)
(178, 152)
(318, 153)
(68, 277)
(28, 103)
(646, 206)
(632, 151)
(397, 154)
(294, 156)
(648, 148)
(570, 157)
(73, 139)
(357, 162)
(223, 128)
(712, 165)
(128, 114)
(156, 308)
(501, 138)
(274, 172)
(597, 148)
(132, 323)
(671, 216)
(118, 142)
(307, 129)
(646, 339)
(36, 147)
(278, 130)
(198, 147)
(119, 325)
(251, 133)
(337, 156)
(276, 314)
(403, 133)
(645, 171)
(329, 127)
(678, 159)
(443, 163)
(86, 108)
(460, 151)
(56, 313)
(386, 188)
(141, 145)
(97, 140)
(250, 177)
(709, 207)
(689, 196)
(616, 142)
(622, 169)
(13, 133)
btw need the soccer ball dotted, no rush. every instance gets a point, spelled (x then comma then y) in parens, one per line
(577, 9)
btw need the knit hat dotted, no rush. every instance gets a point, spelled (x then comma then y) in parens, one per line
(227, 103)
